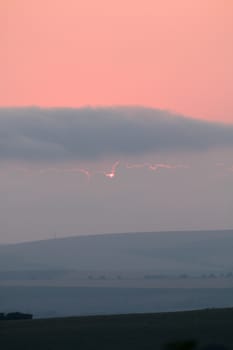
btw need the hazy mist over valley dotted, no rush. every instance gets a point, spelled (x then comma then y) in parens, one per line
(161, 271)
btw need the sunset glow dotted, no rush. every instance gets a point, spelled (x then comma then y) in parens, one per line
(174, 55)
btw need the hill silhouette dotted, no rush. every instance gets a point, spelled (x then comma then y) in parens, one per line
(207, 329)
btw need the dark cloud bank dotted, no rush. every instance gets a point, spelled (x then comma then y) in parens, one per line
(38, 134)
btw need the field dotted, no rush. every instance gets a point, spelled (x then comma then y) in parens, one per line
(145, 331)
(44, 302)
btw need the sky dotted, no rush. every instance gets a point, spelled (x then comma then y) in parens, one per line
(115, 116)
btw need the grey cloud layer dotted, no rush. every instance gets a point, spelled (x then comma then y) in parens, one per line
(37, 134)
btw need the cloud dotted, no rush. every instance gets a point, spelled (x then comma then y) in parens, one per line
(86, 134)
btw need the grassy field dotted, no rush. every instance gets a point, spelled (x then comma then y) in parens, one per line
(140, 331)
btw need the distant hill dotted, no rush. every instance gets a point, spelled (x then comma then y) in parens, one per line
(162, 251)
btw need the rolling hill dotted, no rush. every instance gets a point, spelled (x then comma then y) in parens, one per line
(165, 252)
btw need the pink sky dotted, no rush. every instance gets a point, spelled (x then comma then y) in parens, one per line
(172, 54)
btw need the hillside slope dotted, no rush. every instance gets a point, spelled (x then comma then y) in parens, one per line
(162, 251)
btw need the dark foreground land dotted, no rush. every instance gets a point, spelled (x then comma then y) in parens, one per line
(208, 329)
